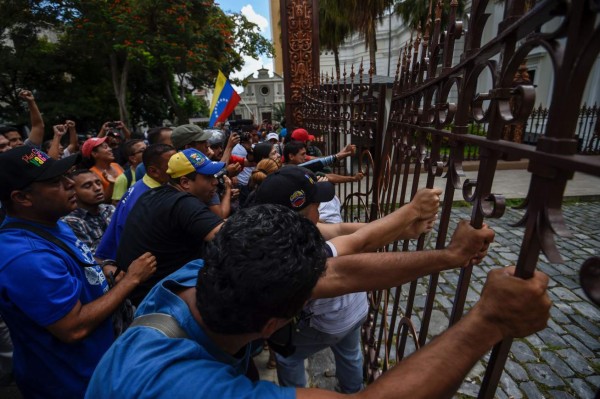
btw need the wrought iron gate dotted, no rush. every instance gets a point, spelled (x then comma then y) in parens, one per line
(423, 122)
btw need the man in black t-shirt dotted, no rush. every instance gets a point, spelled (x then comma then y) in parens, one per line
(173, 219)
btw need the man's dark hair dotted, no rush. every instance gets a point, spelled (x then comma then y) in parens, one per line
(292, 148)
(129, 146)
(177, 180)
(154, 134)
(154, 152)
(7, 129)
(80, 171)
(263, 263)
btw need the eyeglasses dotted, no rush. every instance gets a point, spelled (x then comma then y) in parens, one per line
(139, 151)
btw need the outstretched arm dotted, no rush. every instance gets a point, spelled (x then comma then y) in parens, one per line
(36, 136)
(409, 221)
(54, 150)
(381, 270)
(82, 320)
(234, 138)
(509, 307)
(73, 146)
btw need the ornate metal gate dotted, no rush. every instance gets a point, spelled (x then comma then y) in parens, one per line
(427, 115)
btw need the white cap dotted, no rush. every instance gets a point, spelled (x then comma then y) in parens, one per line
(272, 135)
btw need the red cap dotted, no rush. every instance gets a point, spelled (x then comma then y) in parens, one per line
(90, 144)
(300, 135)
(311, 137)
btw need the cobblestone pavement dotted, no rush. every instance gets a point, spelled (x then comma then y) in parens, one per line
(561, 361)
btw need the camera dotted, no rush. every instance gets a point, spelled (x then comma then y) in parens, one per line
(244, 136)
(220, 176)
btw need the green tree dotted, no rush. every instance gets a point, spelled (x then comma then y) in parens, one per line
(415, 12)
(334, 26)
(148, 55)
(365, 16)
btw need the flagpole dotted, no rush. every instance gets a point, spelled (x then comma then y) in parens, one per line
(248, 108)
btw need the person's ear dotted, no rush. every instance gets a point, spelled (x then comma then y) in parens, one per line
(272, 325)
(184, 182)
(21, 198)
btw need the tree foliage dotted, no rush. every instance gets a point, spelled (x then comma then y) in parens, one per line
(127, 59)
(415, 12)
(334, 26)
(365, 16)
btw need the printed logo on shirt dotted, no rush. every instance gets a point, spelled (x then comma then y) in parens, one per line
(94, 276)
(88, 257)
(298, 198)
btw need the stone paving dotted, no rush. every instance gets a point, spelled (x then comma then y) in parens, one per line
(561, 361)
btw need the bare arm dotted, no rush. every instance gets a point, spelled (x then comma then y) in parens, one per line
(337, 179)
(36, 136)
(332, 230)
(509, 307)
(54, 150)
(124, 129)
(73, 146)
(83, 319)
(213, 232)
(103, 129)
(374, 271)
(226, 199)
(409, 221)
(234, 138)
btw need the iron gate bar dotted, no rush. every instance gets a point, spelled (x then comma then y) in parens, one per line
(422, 118)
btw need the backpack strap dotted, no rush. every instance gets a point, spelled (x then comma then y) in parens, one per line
(162, 322)
(129, 176)
(47, 236)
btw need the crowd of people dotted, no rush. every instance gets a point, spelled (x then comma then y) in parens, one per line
(226, 243)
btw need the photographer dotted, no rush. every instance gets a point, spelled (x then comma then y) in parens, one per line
(116, 134)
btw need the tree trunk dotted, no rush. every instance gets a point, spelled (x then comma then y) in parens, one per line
(336, 55)
(373, 47)
(119, 80)
(180, 114)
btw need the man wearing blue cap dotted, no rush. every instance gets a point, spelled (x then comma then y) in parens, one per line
(174, 219)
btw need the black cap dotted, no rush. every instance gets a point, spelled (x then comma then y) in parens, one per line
(293, 187)
(24, 165)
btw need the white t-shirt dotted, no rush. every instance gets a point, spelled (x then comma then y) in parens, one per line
(244, 176)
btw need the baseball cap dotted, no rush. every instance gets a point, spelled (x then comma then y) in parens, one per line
(272, 135)
(311, 137)
(293, 187)
(90, 144)
(186, 134)
(300, 135)
(192, 160)
(24, 165)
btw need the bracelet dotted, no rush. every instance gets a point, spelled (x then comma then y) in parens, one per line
(108, 262)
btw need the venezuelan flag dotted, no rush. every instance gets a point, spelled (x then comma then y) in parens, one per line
(224, 100)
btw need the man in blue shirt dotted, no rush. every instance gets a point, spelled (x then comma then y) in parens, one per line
(53, 296)
(260, 269)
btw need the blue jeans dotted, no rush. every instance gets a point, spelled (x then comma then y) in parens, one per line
(346, 350)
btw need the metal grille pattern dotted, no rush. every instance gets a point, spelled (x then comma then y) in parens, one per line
(421, 127)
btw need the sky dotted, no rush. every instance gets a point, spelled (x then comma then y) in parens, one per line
(256, 11)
